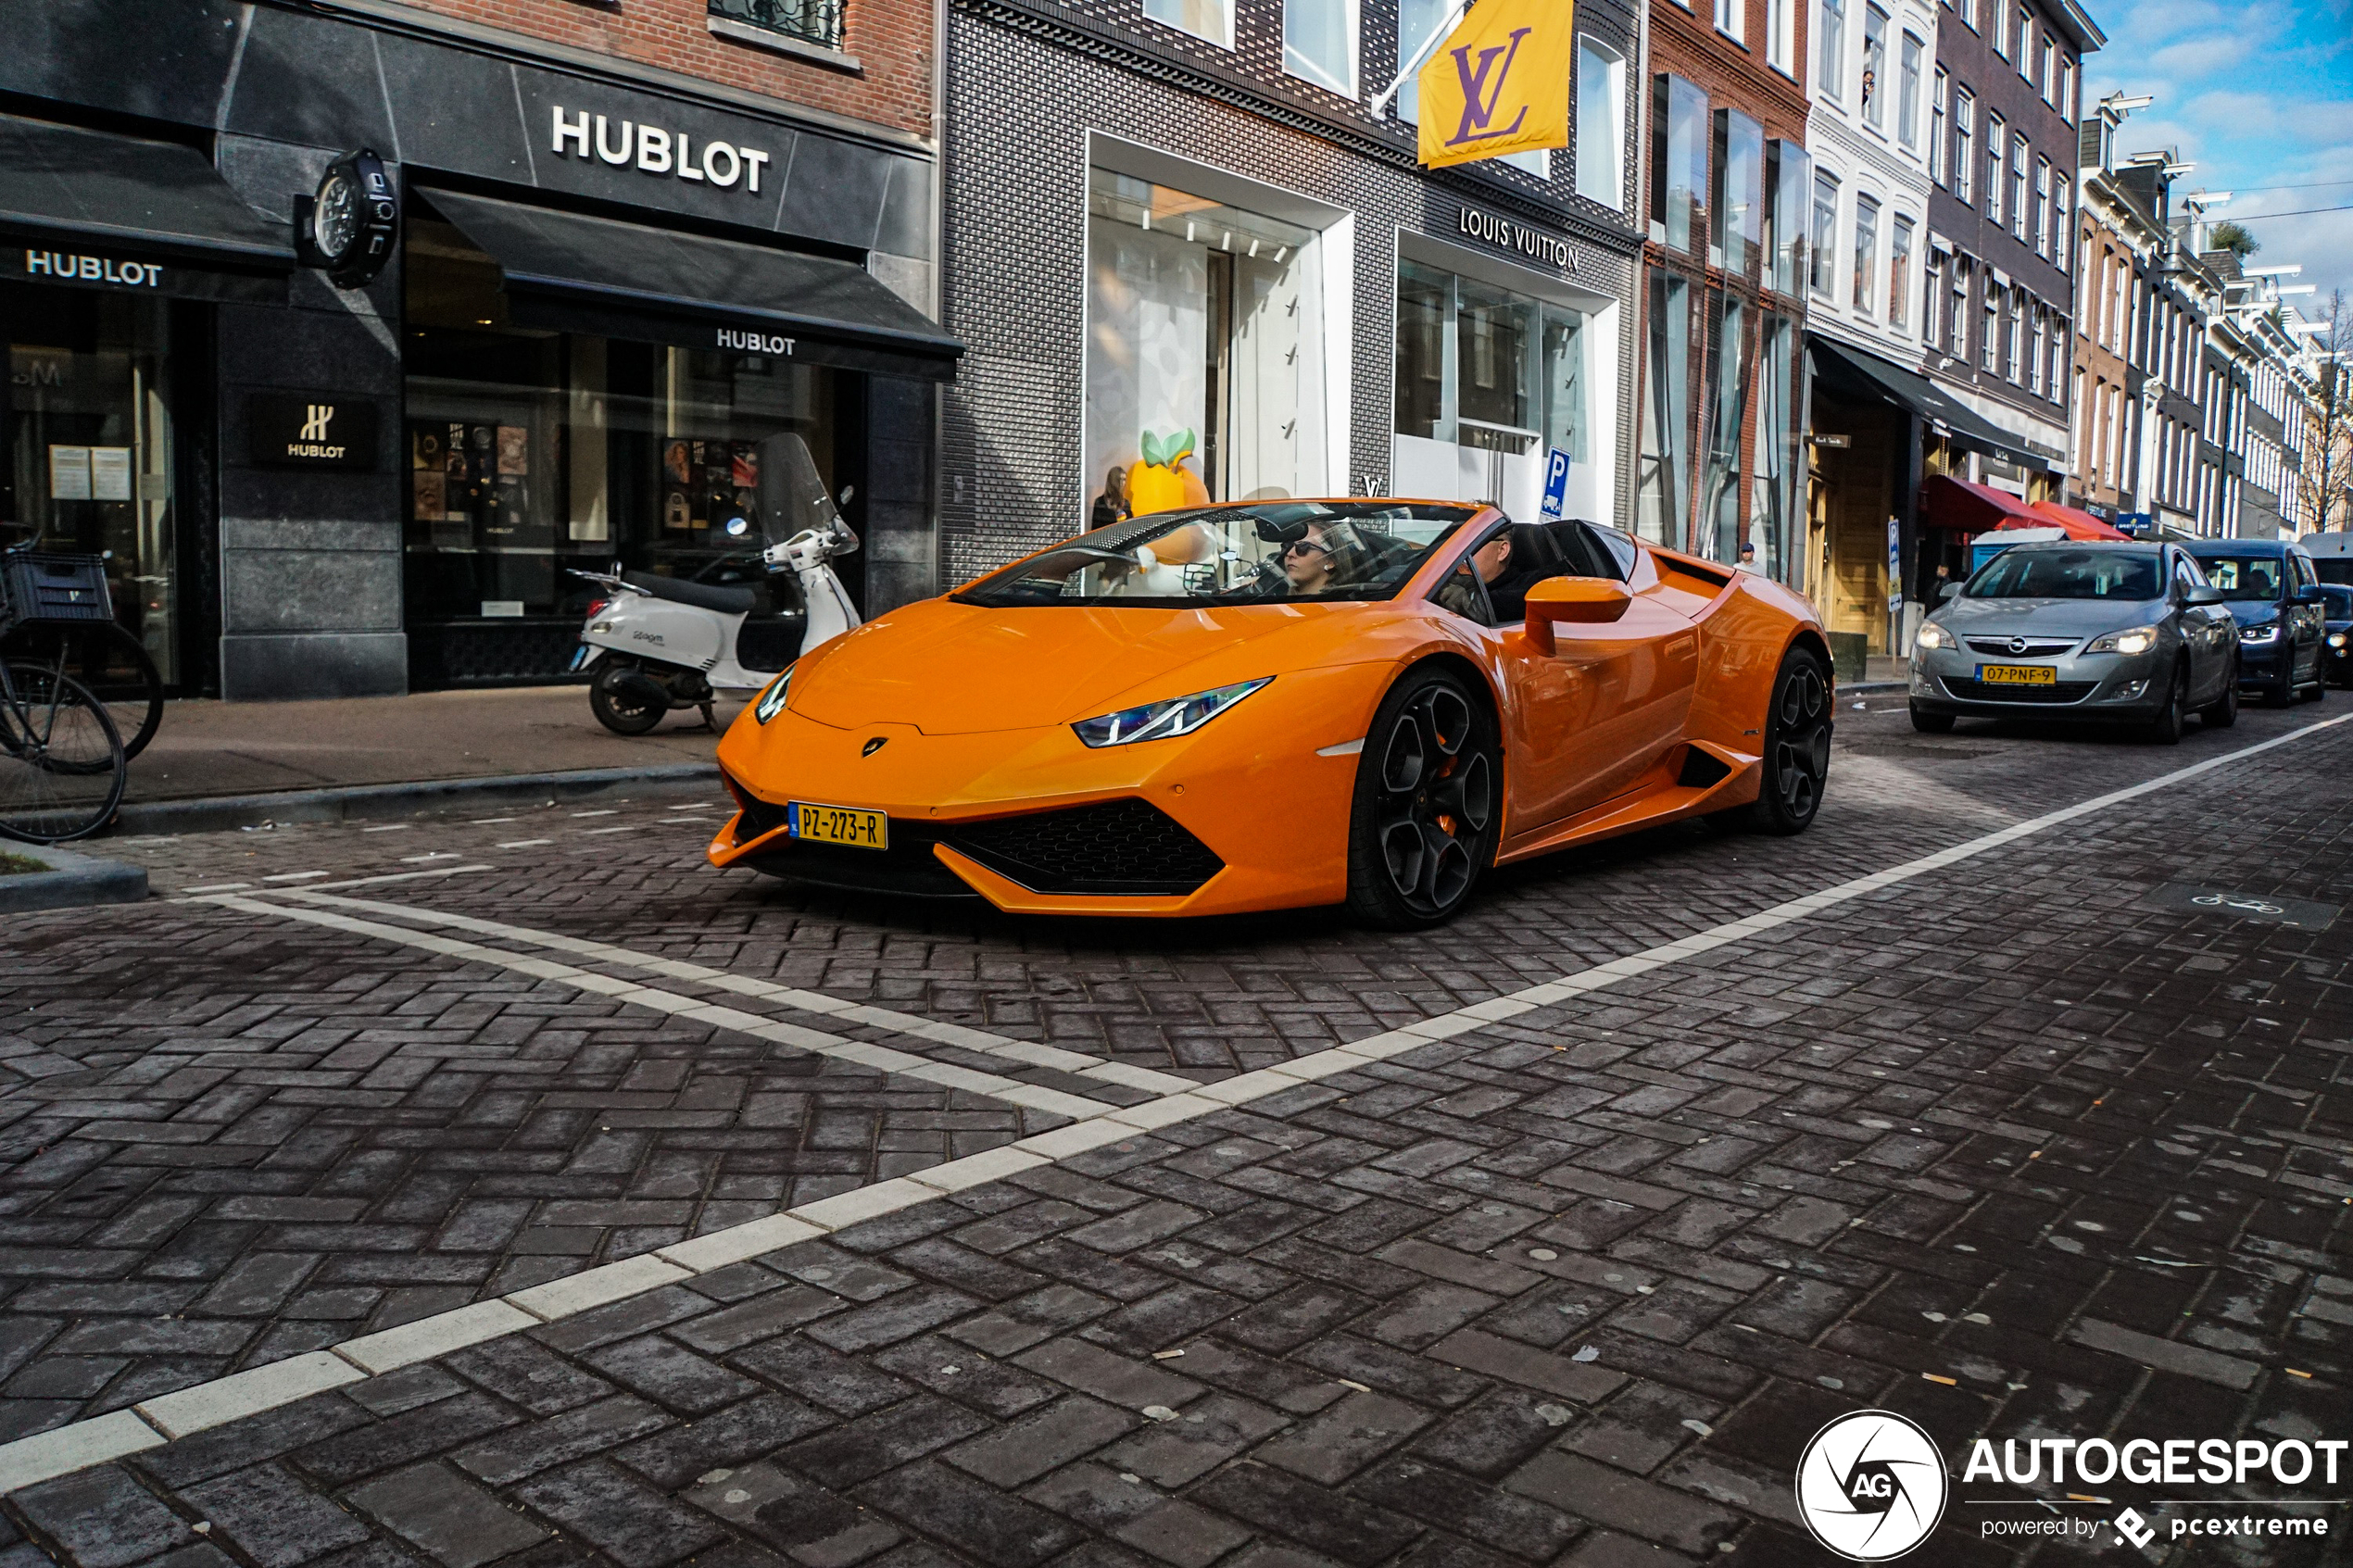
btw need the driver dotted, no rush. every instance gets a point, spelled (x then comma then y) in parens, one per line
(1507, 579)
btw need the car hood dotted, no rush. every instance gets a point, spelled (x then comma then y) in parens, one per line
(2048, 618)
(2253, 612)
(951, 669)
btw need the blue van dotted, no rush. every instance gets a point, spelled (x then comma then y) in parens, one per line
(2273, 592)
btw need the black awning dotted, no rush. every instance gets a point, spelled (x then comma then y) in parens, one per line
(91, 209)
(1859, 376)
(575, 274)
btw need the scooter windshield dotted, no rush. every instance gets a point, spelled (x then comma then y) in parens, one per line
(793, 497)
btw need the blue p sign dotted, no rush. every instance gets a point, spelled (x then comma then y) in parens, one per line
(1555, 484)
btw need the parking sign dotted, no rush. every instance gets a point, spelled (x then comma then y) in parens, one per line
(1555, 484)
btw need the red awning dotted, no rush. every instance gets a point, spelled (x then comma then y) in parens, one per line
(1976, 508)
(2079, 524)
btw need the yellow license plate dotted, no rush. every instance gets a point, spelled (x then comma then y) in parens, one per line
(837, 824)
(2017, 674)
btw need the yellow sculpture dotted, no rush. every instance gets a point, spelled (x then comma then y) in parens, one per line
(1161, 483)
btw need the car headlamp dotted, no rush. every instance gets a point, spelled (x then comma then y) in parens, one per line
(1163, 720)
(2136, 639)
(1930, 635)
(772, 701)
(2268, 632)
(2336, 639)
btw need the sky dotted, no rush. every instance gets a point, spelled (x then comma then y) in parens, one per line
(2258, 95)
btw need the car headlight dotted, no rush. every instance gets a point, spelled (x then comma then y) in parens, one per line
(2268, 632)
(2136, 639)
(772, 701)
(1163, 720)
(2336, 639)
(1932, 636)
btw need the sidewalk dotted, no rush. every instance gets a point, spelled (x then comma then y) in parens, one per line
(218, 748)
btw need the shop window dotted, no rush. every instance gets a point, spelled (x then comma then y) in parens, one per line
(1679, 165)
(1899, 274)
(1600, 124)
(1831, 67)
(1774, 492)
(1204, 351)
(1720, 486)
(1488, 381)
(1825, 240)
(1866, 288)
(1319, 43)
(90, 445)
(1210, 19)
(534, 452)
(1908, 93)
(1662, 506)
(1874, 85)
(1738, 201)
(1790, 172)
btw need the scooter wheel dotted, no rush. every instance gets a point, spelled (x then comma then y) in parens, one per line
(617, 696)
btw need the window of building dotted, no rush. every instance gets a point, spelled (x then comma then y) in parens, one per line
(1789, 169)
(1939, 101)
(1831, 66)
(2046, 70)
(1989, 346)
(2014, 337)
(1419, 24)
(1825, 237)
(1933, 300)
(1662, 508)
(2067, 88)
(1998, 32)
(2043, 206)
(1719, 495)
(1680, 134)
(1600, 124)
(1210, 19)
(1968, 9)
(1874, 83)
(1774, 492)
(1964, 143)
(1865, 294)
(2025, 44)
(1907, 96)
(815, 21)
(1997, 154)
(2061, 351)
(1319, 43)
(1488, 381)
(1899, 274)
(2019, 216)
(1780, 35)
(1959, 346)
(2062, 222)
(1727, 16)
(2035, 356)
(1204, 328)
(1737, 203)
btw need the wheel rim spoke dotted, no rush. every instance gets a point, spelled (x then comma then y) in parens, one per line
(1435, 797)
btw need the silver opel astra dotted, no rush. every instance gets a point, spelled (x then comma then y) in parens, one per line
(2102, 631)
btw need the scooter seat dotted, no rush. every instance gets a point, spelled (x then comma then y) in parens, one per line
(703, 596)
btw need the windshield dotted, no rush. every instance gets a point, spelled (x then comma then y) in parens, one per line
(2250, 578)
(2029, 574)
(1289, 551)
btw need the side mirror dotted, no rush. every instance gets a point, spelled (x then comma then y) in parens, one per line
(1584, 601)
(2310, 597)
(2204, 594)
(1948, 593)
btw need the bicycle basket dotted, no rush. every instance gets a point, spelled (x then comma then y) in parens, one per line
(53, 587)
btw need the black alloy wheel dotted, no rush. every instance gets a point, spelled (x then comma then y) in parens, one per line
(1428, 804)
(2166, 728)
(619, 699)
(1797, 747)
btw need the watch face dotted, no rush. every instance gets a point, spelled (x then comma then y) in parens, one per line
(336, 220)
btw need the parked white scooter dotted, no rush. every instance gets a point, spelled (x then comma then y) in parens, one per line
(662, 642)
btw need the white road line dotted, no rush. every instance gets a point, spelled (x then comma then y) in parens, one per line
(379, 880)
(524, 844)
(591, 833)
(615, 812)
(292, 876)
(83, 1443)
(412, 859)
(485, 822)
(217, 887)
(388, 827)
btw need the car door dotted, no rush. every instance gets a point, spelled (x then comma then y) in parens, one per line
(1608, 702)
(2311, 620)
(2207, 633)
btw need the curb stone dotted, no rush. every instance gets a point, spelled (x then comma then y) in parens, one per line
(70, 881)
(358, 801)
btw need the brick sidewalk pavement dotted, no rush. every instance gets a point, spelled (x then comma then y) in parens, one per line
(1993, 1149)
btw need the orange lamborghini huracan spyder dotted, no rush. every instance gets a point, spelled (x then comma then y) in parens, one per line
(1276, 704)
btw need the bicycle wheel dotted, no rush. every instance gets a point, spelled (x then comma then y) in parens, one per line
(112, 665)
(61, 764)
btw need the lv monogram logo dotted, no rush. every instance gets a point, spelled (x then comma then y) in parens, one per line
(1478, 97)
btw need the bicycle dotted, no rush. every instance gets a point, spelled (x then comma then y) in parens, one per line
(58, 624)
(62, 766)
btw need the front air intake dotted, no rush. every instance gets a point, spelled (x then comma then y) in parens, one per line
(1113, 846)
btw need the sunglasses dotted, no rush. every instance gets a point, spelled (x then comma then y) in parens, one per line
(1300, 546)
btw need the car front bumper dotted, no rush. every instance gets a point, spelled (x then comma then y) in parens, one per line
(2082, 686)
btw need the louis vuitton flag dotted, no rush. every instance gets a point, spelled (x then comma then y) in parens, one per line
(1500, 82)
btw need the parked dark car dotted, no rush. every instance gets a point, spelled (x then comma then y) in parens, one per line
(2077, 630)
(2338, 641)
(2274, 592)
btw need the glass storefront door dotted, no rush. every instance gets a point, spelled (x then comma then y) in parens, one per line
(534, 452)
(89, 466)
(1204, 353)
(1488, 380)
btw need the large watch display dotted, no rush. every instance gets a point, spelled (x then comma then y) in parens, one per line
(348, 226)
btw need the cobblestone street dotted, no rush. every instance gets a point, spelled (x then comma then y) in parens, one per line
(413, 1193)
